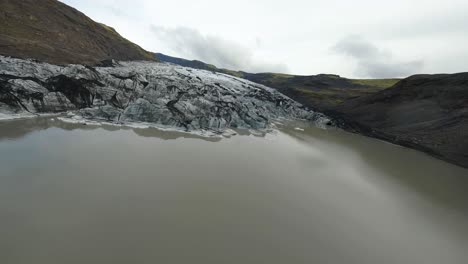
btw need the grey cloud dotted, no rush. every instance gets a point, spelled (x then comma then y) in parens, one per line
(374, 62)
(191, 44)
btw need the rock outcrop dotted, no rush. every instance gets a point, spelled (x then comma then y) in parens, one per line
(150, 92)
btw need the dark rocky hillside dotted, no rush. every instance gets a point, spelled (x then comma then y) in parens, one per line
(425, 112)
(50, 31)
(196, 64)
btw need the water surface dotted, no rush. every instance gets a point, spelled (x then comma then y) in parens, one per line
(71, 193)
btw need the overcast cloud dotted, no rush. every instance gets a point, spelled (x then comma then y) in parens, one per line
(190, 43)
(374, 62)
(396, 38)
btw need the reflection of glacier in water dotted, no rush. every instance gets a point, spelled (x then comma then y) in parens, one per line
(74, 193)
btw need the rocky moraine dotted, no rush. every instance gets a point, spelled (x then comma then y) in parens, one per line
(158, 93)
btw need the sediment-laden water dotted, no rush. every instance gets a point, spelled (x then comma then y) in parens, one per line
(71, 193)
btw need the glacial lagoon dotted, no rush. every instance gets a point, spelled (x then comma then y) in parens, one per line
(74, 193)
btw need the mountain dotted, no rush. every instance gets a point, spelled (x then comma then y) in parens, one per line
(196, 64)
(50, 31)
(424, 112)
(321, 92)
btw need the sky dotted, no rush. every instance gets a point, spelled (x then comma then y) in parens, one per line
(355, 39)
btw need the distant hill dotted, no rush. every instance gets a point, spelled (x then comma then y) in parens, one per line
(187, 63)
(425, 112)
(50, 31)
(322, 92)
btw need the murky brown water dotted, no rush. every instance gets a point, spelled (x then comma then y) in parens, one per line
(81, 194)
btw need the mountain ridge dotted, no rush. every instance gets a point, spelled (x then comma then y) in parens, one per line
(51, 31)
(425, 112)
